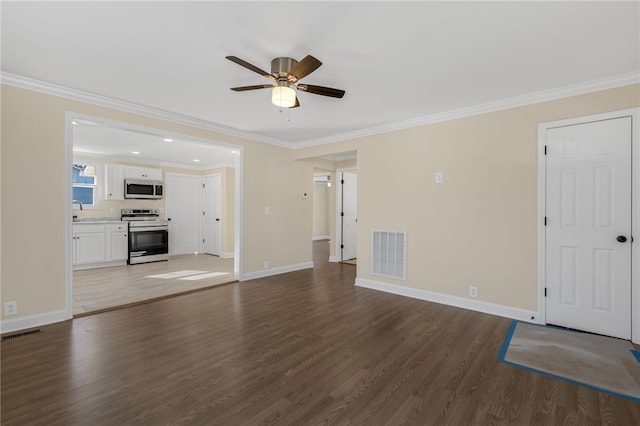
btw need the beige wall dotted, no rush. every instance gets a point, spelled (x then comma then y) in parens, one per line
(36, 222)
(477, 228)
(480, 226)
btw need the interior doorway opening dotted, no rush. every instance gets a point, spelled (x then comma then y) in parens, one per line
(185, 272)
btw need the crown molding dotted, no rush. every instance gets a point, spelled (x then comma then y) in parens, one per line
(105, 101)
(532, 98)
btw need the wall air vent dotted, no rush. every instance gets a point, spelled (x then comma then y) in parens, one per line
(388, 253)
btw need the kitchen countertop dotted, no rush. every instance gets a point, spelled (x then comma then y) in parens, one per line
(97, 220)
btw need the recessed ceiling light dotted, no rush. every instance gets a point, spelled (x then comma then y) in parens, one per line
(196, 161)
(235, 151)
(135, 152)
(167, 140)
(74, 122)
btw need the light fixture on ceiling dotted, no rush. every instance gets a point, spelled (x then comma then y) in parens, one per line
(283, 96)
(196, 160)
(167, 140)
(135, 152)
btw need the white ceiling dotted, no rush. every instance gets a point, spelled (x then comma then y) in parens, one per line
(396, 61)
(113, 141)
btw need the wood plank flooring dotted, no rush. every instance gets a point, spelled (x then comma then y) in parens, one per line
(100, 289)
(301, 348)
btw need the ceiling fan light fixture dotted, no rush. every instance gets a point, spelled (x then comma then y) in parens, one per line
(283, 96)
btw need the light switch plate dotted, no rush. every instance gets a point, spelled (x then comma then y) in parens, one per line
(439, 177)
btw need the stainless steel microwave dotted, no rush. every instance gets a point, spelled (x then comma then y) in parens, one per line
(143, 189)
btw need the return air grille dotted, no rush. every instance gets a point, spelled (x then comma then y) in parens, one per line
(388, 253)
(20, 334)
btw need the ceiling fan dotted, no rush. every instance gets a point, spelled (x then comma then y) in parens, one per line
(286, 74)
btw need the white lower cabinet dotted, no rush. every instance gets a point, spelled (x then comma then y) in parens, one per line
(99, 245)
(88, 244)
(119, 242)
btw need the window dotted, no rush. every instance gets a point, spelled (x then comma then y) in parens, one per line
(85, 185)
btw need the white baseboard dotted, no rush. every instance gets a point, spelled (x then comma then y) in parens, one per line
(275, 271)
(23, 323)
(226, 254)
(333, 259)
(99, 265)
(445, 299)
(322, 237)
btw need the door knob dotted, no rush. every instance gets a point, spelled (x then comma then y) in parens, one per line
(621, 239)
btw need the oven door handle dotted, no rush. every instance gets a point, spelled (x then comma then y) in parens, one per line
(148, 228)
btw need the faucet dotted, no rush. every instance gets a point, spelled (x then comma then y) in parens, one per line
(77, 202)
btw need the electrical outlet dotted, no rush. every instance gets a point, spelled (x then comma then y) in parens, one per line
(265, 264)
(10, 308)
(473, 291)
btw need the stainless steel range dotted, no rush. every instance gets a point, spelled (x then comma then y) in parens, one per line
(148, 235)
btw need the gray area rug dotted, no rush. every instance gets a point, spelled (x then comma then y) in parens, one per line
(605, 364)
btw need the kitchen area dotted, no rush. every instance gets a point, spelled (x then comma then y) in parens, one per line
(131, 200)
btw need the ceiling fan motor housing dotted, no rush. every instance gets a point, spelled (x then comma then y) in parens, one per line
(281, 67)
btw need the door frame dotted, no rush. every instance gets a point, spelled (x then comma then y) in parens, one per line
(634, 113)
(339, 210)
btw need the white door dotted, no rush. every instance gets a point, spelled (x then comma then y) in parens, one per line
(588, 232)
(211, 214)
(349, 215)
(182, 195)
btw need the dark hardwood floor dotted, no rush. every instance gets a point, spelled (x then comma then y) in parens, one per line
(298, 349)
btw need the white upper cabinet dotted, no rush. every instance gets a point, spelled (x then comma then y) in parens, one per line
(142, 173)
(114, 182)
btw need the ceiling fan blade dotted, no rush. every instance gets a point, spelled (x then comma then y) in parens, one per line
(257, 86)
(248, 66)
(321, 90)
(305, 67)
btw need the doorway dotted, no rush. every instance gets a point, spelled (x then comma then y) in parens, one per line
(99, 135)
(586, 220)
